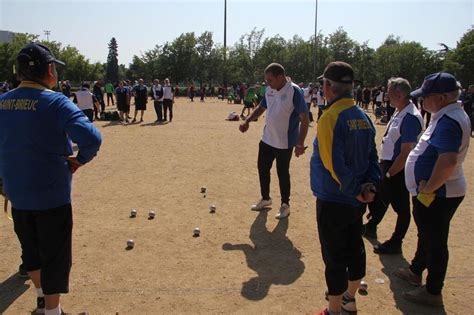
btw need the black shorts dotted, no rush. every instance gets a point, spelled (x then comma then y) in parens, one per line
(123, 107)
(46, 240)
(140, 105)
(342, 247)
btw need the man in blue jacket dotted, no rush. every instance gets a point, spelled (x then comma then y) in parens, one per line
(344, 173)
(37, 126)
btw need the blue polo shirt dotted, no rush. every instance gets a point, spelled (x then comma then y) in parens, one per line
(37, 126)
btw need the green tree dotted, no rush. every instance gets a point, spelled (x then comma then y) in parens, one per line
(8, 53)
(460, 61)
(112, 72)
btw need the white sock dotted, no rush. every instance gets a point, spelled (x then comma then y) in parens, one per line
(56, 311)
(40, 292)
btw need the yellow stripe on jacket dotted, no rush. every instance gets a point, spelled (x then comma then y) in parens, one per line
(325, 131)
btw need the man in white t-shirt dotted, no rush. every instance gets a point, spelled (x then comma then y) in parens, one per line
(86, 101)
(168, 100)
(286, 127)
(308, 93)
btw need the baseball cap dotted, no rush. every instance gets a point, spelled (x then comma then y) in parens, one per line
(436, 83)
(338, 71)
(36, 54)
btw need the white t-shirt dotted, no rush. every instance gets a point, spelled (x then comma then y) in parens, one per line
(84, 99)
(307, 94)
(168, 92)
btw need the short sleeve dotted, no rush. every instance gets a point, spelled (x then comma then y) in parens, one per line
(299, 102)
(263, 102)
(447, 136)
(410, 129)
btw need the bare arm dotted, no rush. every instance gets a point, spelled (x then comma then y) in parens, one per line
(442, 170)
(304, 124)
(399, 163)
(254, 115)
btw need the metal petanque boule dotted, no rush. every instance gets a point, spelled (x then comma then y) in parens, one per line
(151, 215)
(212, 208)
(203, 189)
(133, 213)
(130, 244)
(196, 232)
(363, 288)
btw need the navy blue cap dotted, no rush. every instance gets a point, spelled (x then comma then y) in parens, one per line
(437, 83)
(36, 54)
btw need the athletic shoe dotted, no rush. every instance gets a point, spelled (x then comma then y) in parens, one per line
(369, 231)
(40, 306)
(349, 304)
(261, 204)
(133, 120)
(388, 248)
(22, 273)
(407, 275)
(421, 296)
(284, 211)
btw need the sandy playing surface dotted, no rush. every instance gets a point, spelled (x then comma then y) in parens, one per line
(244, 262)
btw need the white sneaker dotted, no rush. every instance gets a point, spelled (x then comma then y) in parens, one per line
(284, 211)
(261, 204)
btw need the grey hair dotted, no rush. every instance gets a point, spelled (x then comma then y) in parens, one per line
(401, 85)
(340, 89)
(453, 96)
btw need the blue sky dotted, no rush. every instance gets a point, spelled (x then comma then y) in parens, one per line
(140, 25)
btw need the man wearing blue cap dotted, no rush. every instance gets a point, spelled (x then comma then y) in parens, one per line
(434, 177)
(37, 126)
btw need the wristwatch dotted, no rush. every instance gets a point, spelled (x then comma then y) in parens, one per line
(387, 175)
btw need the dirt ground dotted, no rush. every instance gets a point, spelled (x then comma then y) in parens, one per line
(244, 262)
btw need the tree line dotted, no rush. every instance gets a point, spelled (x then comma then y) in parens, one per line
(198, 59)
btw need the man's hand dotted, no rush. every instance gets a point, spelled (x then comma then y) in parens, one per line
(367, 193)
(299, 150)
(73, 163)
(243, 127)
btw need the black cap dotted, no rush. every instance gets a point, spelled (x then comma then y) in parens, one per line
(338, 71)
(36, 54)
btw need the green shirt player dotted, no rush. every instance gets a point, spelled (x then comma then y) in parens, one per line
(109, 89)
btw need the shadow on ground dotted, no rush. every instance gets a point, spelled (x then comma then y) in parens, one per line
(398, 286)
(272, 256)
(10, 290)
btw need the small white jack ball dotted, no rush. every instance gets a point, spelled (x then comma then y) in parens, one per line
(130, 243)
(196, 232)
(151, 214)
(133, 213)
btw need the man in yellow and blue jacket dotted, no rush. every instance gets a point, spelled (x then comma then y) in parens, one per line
(344, 175)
